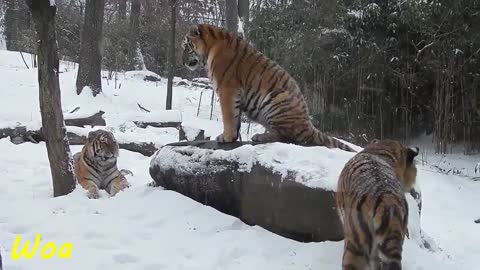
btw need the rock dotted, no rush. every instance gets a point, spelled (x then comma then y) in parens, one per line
(477, 221)
(252, 191)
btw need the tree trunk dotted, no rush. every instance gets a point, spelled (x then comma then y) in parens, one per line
(53, 124)
(9, 24)
(231, 15)
(171, 54)
(90, 63)
(18, 32)
(134, 58)
(244, 14)
(122, 9)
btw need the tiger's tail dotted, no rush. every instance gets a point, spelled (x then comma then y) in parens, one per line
(320, 138)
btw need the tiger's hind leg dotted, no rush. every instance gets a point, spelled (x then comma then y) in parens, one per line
(353, 259)
(268, 136)
(390, 253)
(390, 227)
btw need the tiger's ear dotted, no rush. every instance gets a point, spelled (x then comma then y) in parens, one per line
(91, 135)
(374, 141)
(112, 137)
(412, 152)
(194, 31)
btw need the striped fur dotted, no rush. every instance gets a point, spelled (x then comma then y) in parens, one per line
(96, 165)
(249, 82)
(371, 203)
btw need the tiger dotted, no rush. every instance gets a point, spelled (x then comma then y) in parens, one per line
(96, 165)
(371, 203)
(247, 81)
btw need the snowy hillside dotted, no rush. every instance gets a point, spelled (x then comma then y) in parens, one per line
(147, 228)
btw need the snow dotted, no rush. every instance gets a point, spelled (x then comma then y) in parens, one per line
(146, 228)
(317, 167)
(240, 26)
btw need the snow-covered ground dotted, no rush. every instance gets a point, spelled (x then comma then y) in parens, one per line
(149, 228)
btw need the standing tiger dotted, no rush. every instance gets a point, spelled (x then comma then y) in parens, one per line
(247, 81)
(96, 165)
(372, 206)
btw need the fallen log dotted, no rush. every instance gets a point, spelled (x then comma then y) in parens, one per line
(285, 188)
(228, 178)
(21, 134)
(146, 149)
(144, 124)
(94, 120)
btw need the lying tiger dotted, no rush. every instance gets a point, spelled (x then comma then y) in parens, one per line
(247, 81)
(96, 165)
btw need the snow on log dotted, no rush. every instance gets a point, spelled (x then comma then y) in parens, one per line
(161, 119)
(284, 188)
(191, 134)
(93, 120)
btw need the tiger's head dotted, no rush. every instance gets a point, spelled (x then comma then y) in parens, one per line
(194, 49)
(104, 147)
(402, 156)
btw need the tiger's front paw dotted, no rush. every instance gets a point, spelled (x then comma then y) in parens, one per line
(93, 194)
(222, 138)
(92, 189)
(118, 185)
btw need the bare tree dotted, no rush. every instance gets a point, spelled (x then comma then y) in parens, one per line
(232, 15)
(90, 61)
(122, 9)
(171, 54)
(53, 124)
(244, 14)
(133, 55)
(9, 23)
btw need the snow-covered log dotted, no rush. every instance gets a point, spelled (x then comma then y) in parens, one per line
(93, 120)
(144, 124)
(262, 184)
(160, 119)
(284, 188)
